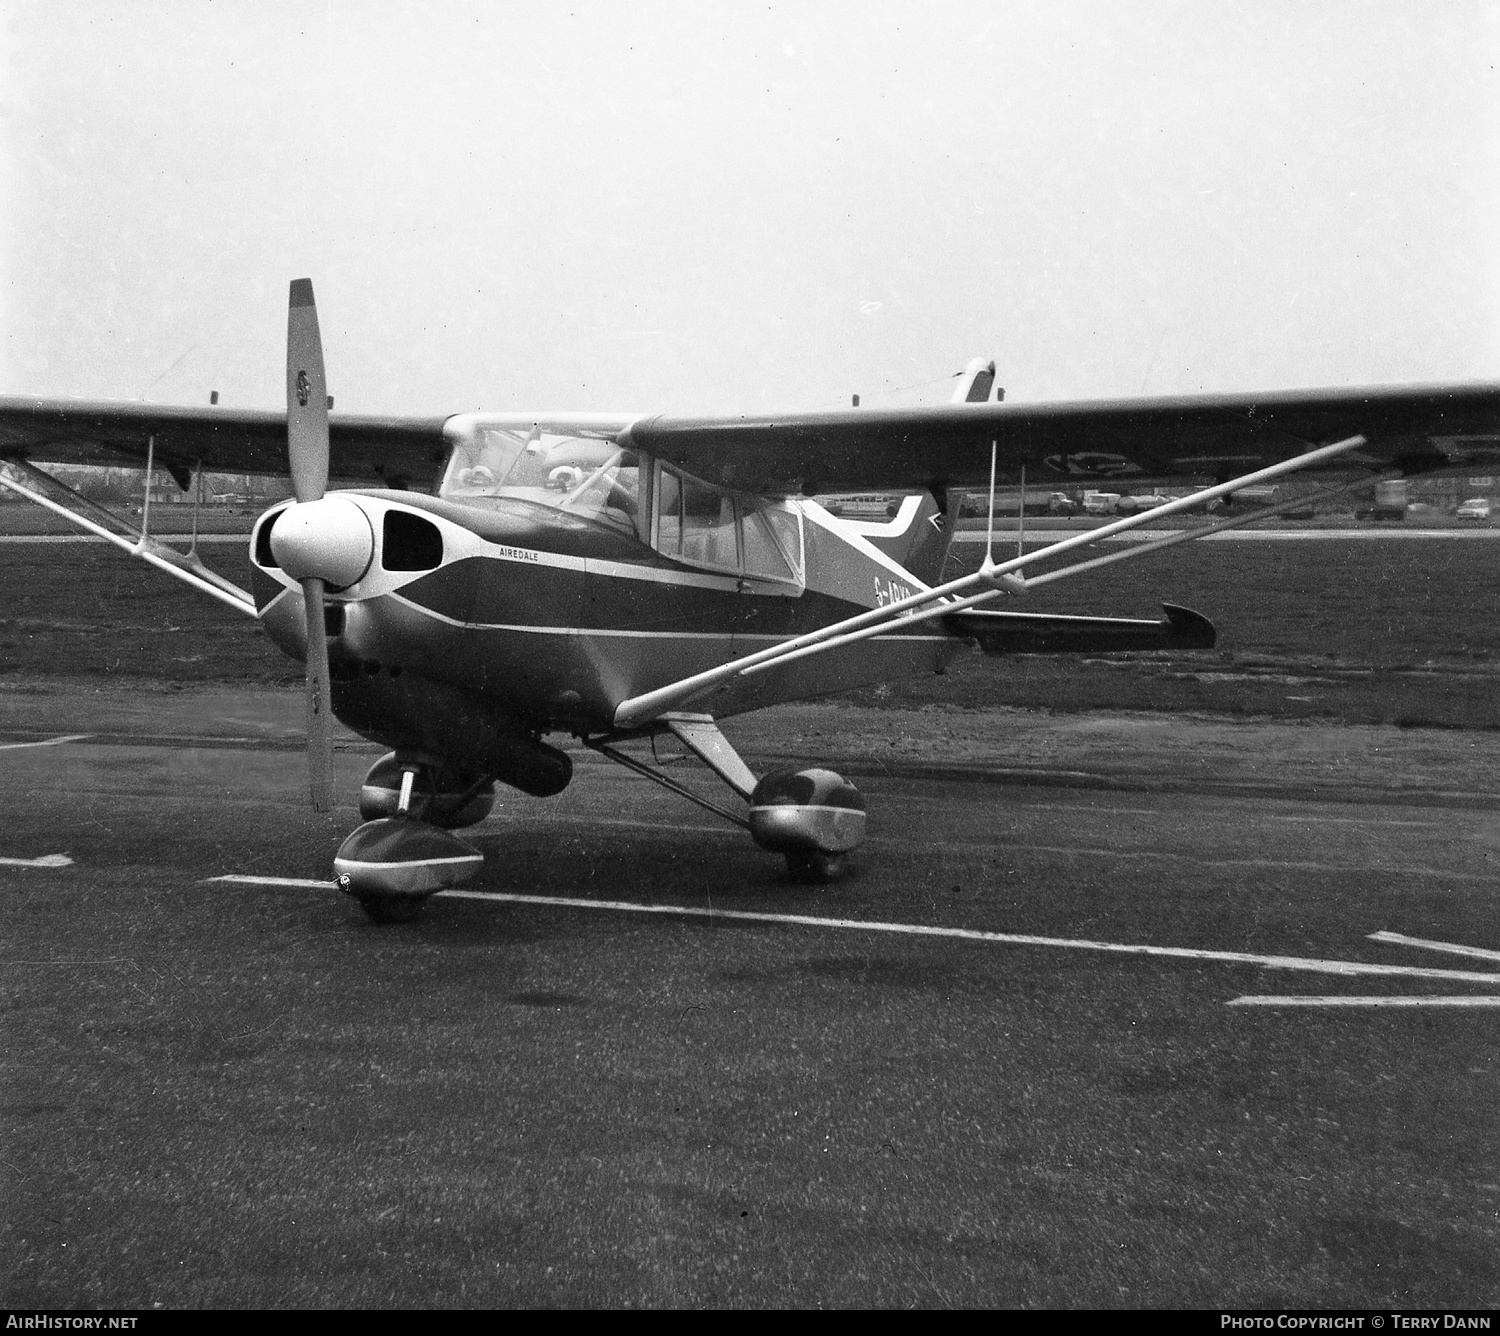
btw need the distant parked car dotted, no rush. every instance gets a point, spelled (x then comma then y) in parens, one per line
(1100, 503)
(1477, 508)
(1256, 496)
(1060, 503)
(1133, 505)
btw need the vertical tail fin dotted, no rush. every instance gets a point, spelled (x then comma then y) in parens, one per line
(913, 533)
(975, 382)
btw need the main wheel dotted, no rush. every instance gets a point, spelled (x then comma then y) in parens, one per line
(813, 868)
(391, 908)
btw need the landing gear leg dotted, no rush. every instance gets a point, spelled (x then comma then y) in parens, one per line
(382, 906)
(813, 817)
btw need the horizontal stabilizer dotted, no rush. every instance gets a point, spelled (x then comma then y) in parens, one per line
(1044, 633)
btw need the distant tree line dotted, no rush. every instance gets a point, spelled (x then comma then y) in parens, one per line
(123, 486)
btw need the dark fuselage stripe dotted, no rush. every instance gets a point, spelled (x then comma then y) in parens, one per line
(618, 631)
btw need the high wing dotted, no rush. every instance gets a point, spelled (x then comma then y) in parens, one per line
(389, 451)
(1415, 429)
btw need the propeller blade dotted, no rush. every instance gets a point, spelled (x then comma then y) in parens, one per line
(307, 458)
(306, 396)
(319, 700)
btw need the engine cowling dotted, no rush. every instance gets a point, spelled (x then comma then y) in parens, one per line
(441, 795)
(807, 811)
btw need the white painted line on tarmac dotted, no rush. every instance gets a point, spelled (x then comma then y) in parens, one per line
(49, 742)
(1161, 855)
(46, 860)
(1092, 810)
(1430, 1001)
(1453, 948)
(1354, 820)
(1340, 967)
(1346, 968)
(326, 884)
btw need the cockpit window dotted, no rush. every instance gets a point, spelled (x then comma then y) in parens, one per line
(592, 479)
(612, 491)
(684, 518)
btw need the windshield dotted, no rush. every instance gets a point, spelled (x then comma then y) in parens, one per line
(592, 479)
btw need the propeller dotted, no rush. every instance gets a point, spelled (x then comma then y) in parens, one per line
(307, 458)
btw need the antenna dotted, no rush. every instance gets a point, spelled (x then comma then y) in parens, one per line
(1015, 583)
(989, 538)
(178, 362)
(197, 501)
(1021, 516)
(146, 499)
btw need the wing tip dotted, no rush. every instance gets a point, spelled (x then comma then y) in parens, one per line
(302, 292)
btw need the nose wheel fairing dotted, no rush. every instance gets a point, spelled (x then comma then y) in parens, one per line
(392, 863)
(399, 855)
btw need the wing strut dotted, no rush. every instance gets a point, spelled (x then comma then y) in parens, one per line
(185, 566)
(991, 579)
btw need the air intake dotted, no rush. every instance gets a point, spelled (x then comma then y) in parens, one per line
(410, 543)
(263, 554)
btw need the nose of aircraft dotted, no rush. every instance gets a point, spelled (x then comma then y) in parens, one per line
(329, 539)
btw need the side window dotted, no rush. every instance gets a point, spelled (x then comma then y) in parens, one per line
(669, 515)
(706, 526)
(773, 541)
(708, 529)
(763, 555)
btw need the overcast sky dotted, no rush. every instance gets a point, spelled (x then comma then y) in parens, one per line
(720, 206)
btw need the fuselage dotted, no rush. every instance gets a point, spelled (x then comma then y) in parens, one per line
(579, 577)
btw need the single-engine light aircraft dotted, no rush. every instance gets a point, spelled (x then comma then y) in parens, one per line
(614, 577)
